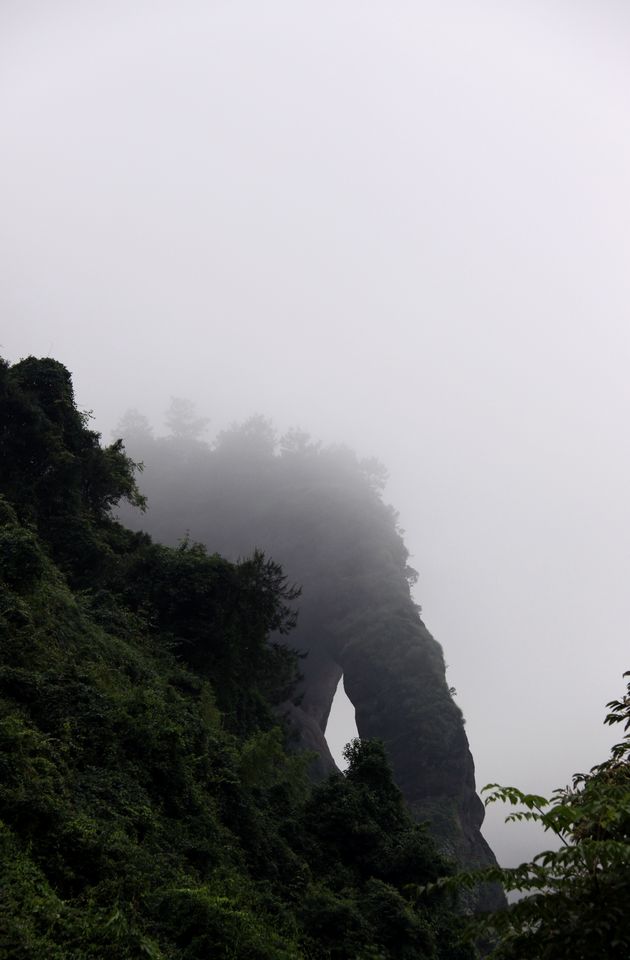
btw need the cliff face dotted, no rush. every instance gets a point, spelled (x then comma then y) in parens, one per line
(321, 515)
(394, 675)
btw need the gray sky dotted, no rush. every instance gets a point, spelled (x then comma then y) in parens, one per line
(401, 225)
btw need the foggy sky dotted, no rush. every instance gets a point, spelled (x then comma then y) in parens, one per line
(405, 226)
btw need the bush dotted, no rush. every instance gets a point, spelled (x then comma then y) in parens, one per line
(21, 559)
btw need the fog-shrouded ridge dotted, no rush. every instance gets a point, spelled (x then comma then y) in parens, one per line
(405, 229)
(319, 512)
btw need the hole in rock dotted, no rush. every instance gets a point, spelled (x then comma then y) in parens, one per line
(341, 726)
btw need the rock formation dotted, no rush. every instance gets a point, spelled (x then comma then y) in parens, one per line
(399, 693)
(321, 515)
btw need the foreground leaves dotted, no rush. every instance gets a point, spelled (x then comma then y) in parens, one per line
(575, 899)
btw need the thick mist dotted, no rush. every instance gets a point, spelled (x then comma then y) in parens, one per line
(401, 227)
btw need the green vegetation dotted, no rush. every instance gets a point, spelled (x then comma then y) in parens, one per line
(150, 806)
(575, 901)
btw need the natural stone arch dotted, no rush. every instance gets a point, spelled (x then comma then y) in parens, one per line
(394, 676)
(319, 514)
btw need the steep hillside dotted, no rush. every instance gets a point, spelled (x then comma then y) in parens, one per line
(148, 804)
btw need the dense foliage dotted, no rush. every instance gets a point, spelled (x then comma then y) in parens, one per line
(149, 806)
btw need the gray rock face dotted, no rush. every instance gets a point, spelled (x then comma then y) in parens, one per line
(396, 681)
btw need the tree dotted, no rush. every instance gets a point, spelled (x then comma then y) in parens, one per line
(368, 855)
(54, 471)
(182, 420)
(253, 438)
(576, 898)
(136, 432)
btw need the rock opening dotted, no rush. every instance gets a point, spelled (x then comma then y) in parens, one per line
(341, 726)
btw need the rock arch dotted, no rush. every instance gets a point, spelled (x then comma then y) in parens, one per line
(320, 514)
(396, 683)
